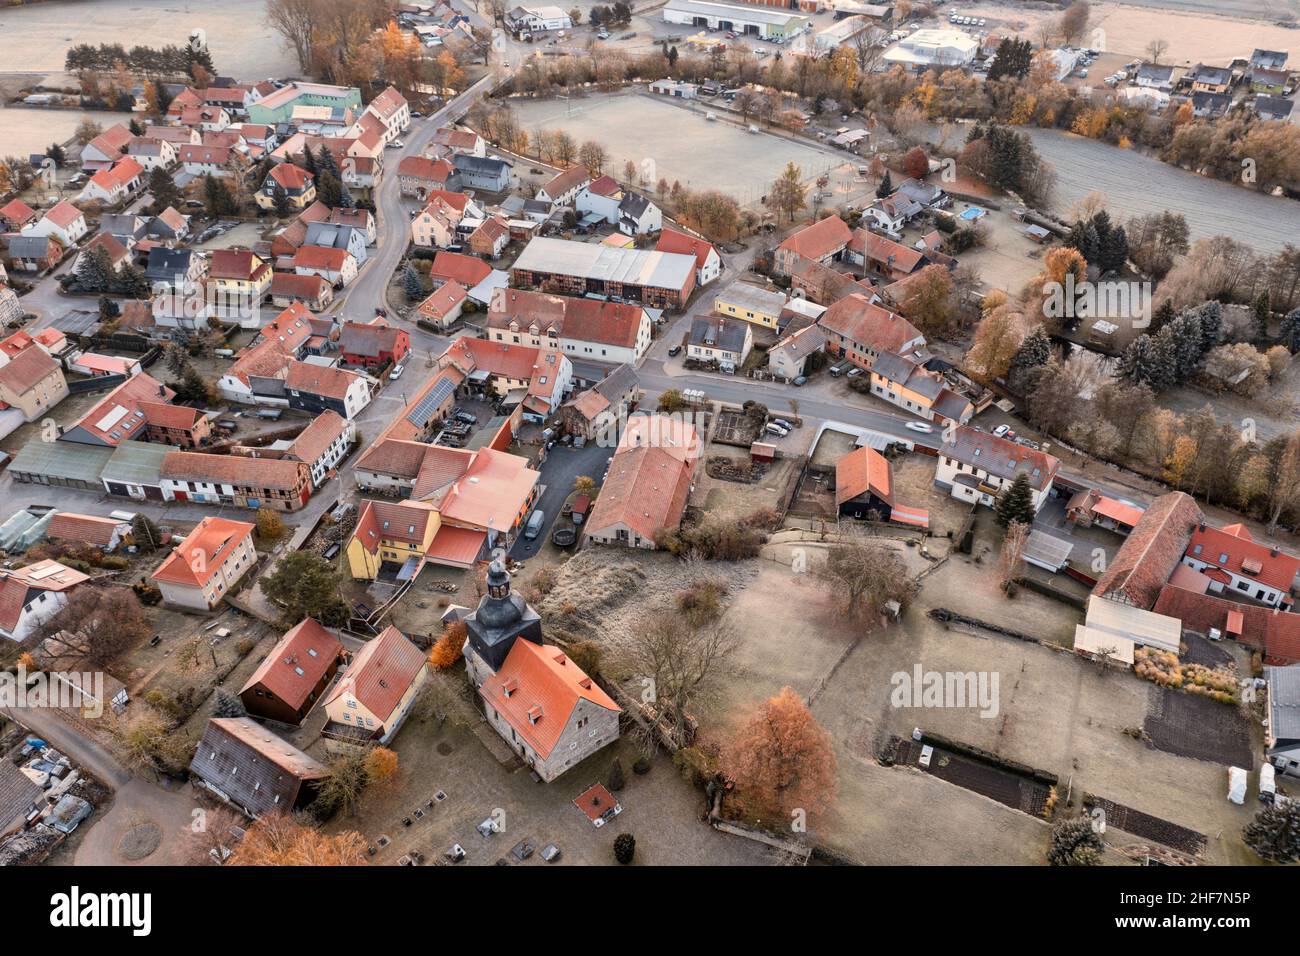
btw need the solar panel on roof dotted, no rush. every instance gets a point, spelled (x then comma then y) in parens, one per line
(424, 410)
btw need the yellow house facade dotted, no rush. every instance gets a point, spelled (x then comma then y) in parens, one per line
(750, 304)
(392, 532)
(376, 691)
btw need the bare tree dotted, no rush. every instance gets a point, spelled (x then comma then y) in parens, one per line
(1011, 560)
(678, 658)
(1286, 486)
(296, 21)
(1156, 49)
(864, 573)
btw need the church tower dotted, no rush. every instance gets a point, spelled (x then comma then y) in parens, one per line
(500, 619)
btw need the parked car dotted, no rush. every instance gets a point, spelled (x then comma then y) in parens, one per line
(674, 351)
(397, 371)
(799, 381)
(919, 427)
(783, 423)
(774, 429)
(855, 373)
(534, 526)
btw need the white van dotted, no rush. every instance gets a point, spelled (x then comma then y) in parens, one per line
(534, 526)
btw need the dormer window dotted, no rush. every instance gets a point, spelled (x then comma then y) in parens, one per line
(534, 713)
(509, 687)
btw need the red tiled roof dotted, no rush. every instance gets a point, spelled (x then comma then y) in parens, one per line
(855, 318)
(118, 175)
(862, 470)
(27, 370)
(308, 288)
(170, 416)
(204, 549)
(236, 470)
(458, 546)
(113, 140)
(1232, 549)
(428, 170)
(63, 214)
(1275, 633)
(821, 239)
(588, 320)
(90, 529)
(546, 687)
(291, 177)
(17, 212)
(648, 484)
(886, 252)
(238, 264)
(566, 180)
(443, 300)
(381, 673)
(670, 240)
(314, 440)
(297, 663)
(319, 380)
(467, 270)
(1152, 550)
(321, 257)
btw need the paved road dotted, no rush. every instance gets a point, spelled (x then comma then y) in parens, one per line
(560, 470)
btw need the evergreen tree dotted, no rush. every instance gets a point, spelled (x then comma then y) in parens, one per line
(329, 190)
(306, 585)
(56, 153)
(617, 778)
(218, 198)
(192, 387)
(1083, 238)
(1013, 58)
(1262, 313)
(309, 162)
(131, 282)
(411, 283)
(1291, 330)
(226, 704)
(1145, 363)
(280, 199)
(94, 271)
(325, 161)
(1181, 338)
(163, 189)
(1163, 316)
(108, 309)
(886, 186)
(1016, 503)
(624, 847)
(1034, 352)
(145, 535)
(1211, 316)
(1275, 832)
(1113, 255)
(135, 128)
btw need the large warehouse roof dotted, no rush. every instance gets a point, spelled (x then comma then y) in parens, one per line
(665, 270)
(736, 14)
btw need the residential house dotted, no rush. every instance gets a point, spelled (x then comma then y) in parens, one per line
(601, 409)
(417, 176)
(616, 332)
(460, 141)
(649, 480)
(106, 148)
(373, 344)
(486, 173)
(525, 21)
(708, 264)
(336, 266)
(208, 563)
(377, 690)
(469, 271)
(910, 386)
(235, 480)
(749, 303)
(11, 309)
(362, 220)
(16, 214)
(128, 228)
(859, 330)
(1207, 105)
(32, 253)
(1272, 82)
(435, 225)
(297, 185)
(392, 111)
(63, 221)
(885, 258)
(114, 184)
(1273, 633)
(238, 283)
(1275, 108)
(444, 305)
(249, 768)
(323, 445)
(330, 235)
(1211, 79)
(177, 426)
(823, 241)
(206, 160)
(312, 291)
(893, 212)
(1234, 563)
(1268, 59)
(490, 239)
(258, 373)
(633, 214)
(1155, 75)
(320, 388)
(169, 226)
(789, 357)
(119, 416)
(32, 594)
(116, 255)
(537, 379)
(294, 675)
(33, 383)
(925, 195)
(719, 339)
(976, 466)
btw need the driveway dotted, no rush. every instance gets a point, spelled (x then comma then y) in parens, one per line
(564, 465)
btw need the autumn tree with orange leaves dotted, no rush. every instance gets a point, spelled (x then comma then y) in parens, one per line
(282, 840)
(782, 762)
(449, 648)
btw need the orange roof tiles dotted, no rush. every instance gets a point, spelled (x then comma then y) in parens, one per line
(201, 553)
(381, 673)
(1235, 551)
(88, 529)
(855, 318)
(467, 270)
(1150, 553)
(546, 686)
(860, 471)
(821, 239)
(297, 663)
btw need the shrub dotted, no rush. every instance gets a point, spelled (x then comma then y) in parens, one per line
(617, 778)
(641, 767)
(624, 848)
(1074, 843)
